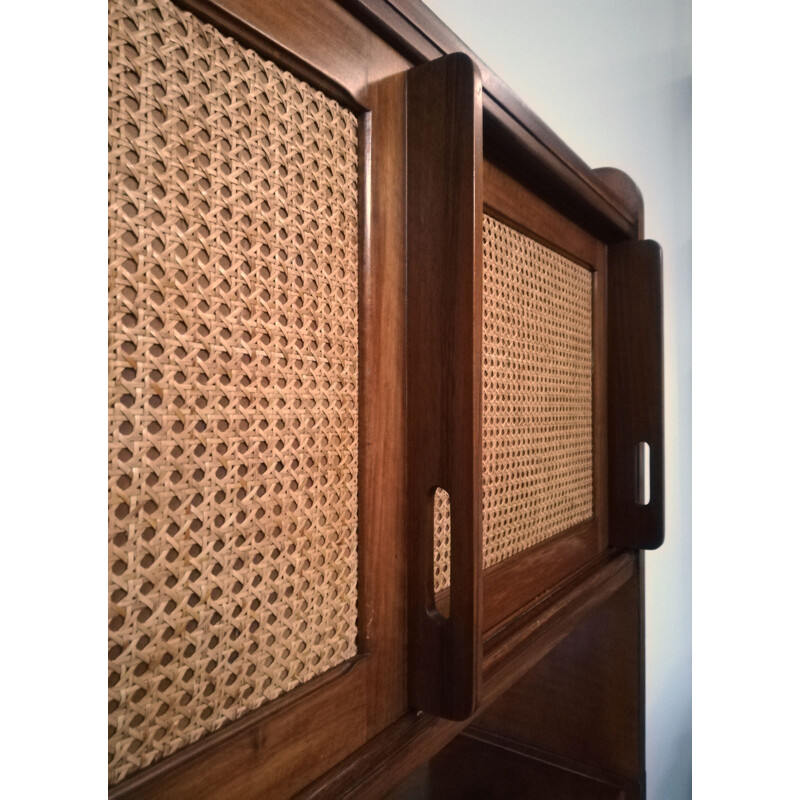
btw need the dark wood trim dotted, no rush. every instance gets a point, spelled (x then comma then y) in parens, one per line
(515, 135)
(583, 701)
(384, 760)
(443, 389)
(631, 788)
(635, 391)
(600, 433)
(506, 199)
(522, 581)
(365, 396)
(382, 455)
(623, 186)
(251, 27)
(510, 646)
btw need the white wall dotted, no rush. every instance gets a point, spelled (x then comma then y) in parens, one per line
(613, 79)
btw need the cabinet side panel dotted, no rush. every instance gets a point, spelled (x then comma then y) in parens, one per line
(582, 702)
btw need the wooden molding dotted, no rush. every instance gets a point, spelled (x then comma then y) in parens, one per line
(515, 135)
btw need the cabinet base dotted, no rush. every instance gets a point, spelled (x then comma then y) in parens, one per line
(469, 768)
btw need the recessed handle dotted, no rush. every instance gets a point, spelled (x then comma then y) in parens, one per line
(643, 474)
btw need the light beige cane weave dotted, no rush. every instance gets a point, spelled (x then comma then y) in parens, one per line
(441, 540)
(537, 398)
(233, 381)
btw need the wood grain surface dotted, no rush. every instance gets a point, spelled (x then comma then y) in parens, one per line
(443, 392)
(635, 391)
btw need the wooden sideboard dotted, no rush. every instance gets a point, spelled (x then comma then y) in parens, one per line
(386, 418)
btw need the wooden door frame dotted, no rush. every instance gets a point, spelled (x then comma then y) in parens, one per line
(268, 751)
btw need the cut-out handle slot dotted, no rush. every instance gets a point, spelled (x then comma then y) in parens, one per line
(441, 551)
(642, 474)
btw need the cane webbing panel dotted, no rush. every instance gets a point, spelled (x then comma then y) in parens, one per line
(537, 395)
(537, 392)
(233, 381)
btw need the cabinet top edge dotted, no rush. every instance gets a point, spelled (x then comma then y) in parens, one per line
(547, 161)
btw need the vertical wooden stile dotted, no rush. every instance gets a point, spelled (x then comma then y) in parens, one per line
(443, 392)
(635, 392)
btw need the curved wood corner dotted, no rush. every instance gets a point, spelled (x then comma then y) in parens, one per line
(627, 191)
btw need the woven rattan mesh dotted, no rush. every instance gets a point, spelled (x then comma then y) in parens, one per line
(233, 336)
(537, 392)
(441, 540)
(537, 395)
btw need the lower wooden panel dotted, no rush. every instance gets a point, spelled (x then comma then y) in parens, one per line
(469, 769)
(583, 700)
(520, 581)
(414, 739)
